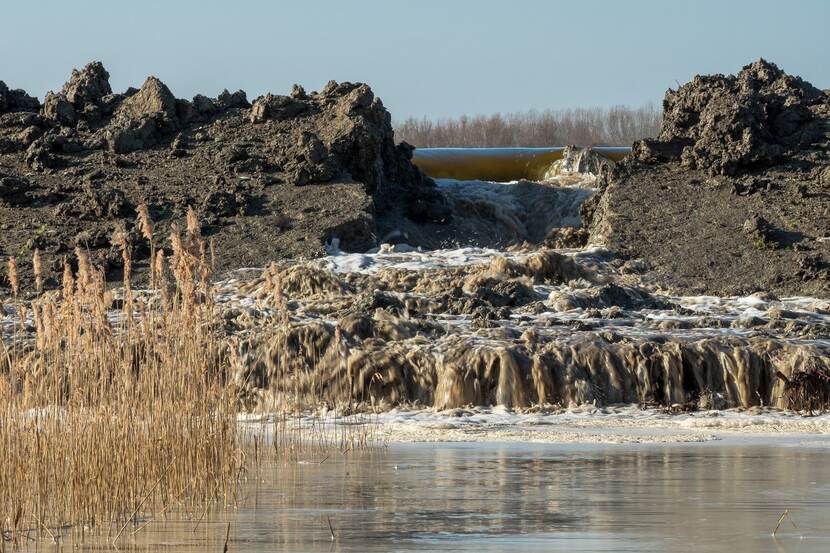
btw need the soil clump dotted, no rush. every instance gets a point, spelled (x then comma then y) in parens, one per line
(282, 176)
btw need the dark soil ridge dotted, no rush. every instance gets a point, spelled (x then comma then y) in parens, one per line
(279, 177)
(733, 197)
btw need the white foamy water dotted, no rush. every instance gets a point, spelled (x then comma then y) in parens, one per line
(587, 424)
(405, 257)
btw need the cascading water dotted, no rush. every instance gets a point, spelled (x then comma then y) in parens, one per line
(513, 326)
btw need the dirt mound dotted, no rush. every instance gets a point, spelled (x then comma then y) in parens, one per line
(281, 176)
(734, 195)
(728, 124)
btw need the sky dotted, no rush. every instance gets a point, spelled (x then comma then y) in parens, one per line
(428, 58)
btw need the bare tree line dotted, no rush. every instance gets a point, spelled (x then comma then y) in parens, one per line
(614, 126)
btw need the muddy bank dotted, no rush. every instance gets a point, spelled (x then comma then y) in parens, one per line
(279, 176)
(733, 197)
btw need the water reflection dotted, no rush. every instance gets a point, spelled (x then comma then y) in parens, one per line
(525, 498)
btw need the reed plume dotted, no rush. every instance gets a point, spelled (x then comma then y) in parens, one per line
(84, 275)
(145, 223)
(193, 229)
(68, 284)
(121, 240)
(38, 271)
(14, 282)
(212, 255)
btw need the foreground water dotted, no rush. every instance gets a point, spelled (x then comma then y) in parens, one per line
(722, 496)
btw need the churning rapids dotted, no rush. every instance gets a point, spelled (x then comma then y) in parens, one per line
(511, 328)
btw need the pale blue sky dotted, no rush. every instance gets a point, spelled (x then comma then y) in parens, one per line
(434, 58)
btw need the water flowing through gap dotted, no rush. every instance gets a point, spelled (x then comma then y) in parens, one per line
(519, 312)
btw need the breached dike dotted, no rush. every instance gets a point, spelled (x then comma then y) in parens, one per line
(513, 210)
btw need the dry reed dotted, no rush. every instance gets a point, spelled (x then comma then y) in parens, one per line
(108, 415)
(14, 282)
(37, 267)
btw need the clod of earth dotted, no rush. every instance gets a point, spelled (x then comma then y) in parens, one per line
(279, 177)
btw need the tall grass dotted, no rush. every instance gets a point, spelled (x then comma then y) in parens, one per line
(615, 126)
(111, 407)
(118, 407)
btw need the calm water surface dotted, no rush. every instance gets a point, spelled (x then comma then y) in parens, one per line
(492, 497)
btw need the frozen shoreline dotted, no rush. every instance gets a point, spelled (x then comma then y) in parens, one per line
(624, 424)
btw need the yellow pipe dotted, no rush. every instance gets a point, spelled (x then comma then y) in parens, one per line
(496, 164)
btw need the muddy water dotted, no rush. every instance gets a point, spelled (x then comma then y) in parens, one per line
(496, 164)
(490, 497)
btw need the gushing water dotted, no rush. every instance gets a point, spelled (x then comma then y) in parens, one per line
(514, 327)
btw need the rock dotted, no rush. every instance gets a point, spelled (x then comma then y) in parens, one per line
(208, 107)
(219, 203)
(86, 97)
(39, 155)
(13, 189)
(101, 202)
(186, 112)
(232, 154)
(9, 145)
(812, 266)
(29, 135)
(760, 231)
(57, 108)
(16, 100)
(275, 107)
(89, 85)
(204, 105)
(298, 92)
(313, 163)
(649, 150)
(236, 100)
(144, 118)
(153, 98)
(131, 135)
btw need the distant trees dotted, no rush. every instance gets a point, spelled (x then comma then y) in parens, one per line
(615, 126)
